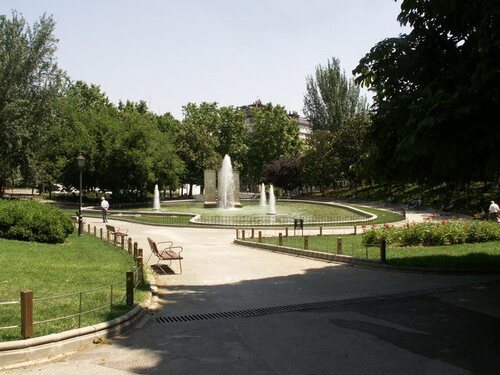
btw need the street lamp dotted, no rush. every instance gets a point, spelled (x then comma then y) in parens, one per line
(81, 164)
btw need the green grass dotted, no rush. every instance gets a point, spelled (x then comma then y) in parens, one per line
(80, 264)
(383, 216)
(466, 256)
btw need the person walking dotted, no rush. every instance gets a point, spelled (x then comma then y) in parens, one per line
(104, 208)
(493, 211)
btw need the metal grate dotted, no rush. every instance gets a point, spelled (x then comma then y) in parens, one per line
(297, 307)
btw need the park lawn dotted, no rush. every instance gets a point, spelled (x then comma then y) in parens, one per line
(80, 264)
(383, 216)
(484, 255)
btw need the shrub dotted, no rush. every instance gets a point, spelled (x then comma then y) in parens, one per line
(436, 234)
(33, 221)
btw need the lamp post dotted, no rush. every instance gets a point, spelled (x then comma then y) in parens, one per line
(81, 164)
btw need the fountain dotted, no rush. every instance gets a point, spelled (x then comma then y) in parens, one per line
(226, 184)
(272, 201)
(263, 195)
(156, 200)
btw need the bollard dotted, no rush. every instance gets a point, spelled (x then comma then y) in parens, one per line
(355, 229)
(383, 248)
(339, 245)
(260, 236)
(237, 233)
(88, 228)
(306, 242)
(95, 231)
(253, 233)
(280, 239)
(129, 246)
(107, 235)
(140, 268)
(100, 233)
(320, 231)
(243, 234)
(135, 249)
(130, 287)
(26, 314)
(286, 231)
(115, 238)
(123, 242)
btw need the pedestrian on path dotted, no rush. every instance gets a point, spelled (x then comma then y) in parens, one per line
(104, 208)
(493, 211)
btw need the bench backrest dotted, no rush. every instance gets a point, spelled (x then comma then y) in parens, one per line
(110, 228)
(153, 247)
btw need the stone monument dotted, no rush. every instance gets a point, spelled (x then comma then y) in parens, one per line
(209, 195)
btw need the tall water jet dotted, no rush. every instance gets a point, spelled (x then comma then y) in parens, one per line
(272, 201)
(156, 199)
(226, 184)
(263, 195)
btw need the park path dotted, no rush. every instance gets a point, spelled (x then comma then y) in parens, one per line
(220, 276)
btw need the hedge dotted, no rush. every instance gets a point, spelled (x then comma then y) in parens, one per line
(435, 234)
(33, 221)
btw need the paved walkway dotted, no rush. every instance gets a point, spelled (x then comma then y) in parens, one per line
(220, 277)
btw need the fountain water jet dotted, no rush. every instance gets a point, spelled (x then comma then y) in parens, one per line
(226, 184)
(272, 201)
(156, 200)
(263, 195)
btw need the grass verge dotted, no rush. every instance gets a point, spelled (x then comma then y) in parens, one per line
(82, 264)
(452, 257)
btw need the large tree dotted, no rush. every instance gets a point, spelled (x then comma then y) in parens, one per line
(437, 93)
(272, 136)
(30, 82)
(331, 97)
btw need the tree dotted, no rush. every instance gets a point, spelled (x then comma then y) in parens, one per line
(197, 141)
(273, 136)
(233, 135)
(30, 81)
(285, 173)
(437, 94)
(331, 98)
(320, 163)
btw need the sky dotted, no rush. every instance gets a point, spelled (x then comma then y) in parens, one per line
(232, 52)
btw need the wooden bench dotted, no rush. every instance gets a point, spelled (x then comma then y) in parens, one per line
(170, 253)
(116, 232)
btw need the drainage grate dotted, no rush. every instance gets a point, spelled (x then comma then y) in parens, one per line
(297, 307)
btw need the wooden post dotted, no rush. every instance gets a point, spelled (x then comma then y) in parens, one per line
(306, 242)
(260, 236)
(115, 238)
(130, 287)
(130, 245)
(320, 231)
(95, 231)
(253, 233)
(280, 239)
(339, 245)
(26, 314)
(243, 234)
(237, 233)
(286, 231)
(383, 248)
(100, 233)
(140, 267)
(107, 235)
(88, 228)
(135, 249)
(123, 242)
(355, 229)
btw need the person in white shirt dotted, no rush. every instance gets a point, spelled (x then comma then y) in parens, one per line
(493, 210)
(104, 208)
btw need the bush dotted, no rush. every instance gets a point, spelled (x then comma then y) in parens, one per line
(33, 221)
(435, 234)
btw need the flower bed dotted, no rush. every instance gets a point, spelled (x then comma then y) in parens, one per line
(435, 234)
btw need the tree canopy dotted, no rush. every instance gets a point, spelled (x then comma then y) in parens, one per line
(437, 93)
